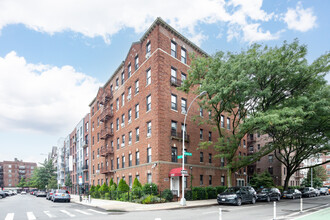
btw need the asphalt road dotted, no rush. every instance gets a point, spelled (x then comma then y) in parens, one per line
(30, 207)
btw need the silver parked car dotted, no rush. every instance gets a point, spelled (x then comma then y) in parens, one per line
(61, 195)
(40, 193)
(324, 191)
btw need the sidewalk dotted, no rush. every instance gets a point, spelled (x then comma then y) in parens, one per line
(112, 205)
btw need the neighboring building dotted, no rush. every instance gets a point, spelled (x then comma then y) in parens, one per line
(11, 172)
(73, 161)
(137, 119)
(318, 160)
(324, 158)
(60, 167)
(269, 162)
(86, 153)
(53, 156)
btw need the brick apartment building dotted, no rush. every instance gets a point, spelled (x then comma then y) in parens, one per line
(269, 162)
(137, 119)
(11, 172)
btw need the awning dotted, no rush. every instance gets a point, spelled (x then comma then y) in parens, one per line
(176, 172)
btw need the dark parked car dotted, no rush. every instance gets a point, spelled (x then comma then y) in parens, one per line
(2, 194)
(268, 194)
(292, 194)
(237, 196)
(308, 192)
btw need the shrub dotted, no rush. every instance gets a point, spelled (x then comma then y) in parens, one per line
(167, 195)
(136, 184)
(150, 199)
(92, 189)
(111, 182)
(103, 189)
(220, 189)
(199, 193)
(122, 186)
(113, 187)
(137, 192)
(107, 195)
(96, 194)
(150, 189)
(211, 192)
(188, 195)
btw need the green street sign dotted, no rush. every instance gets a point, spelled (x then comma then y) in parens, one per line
(180, 157)
(187, 154)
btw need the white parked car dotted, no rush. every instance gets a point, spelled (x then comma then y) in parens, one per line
(23, 193)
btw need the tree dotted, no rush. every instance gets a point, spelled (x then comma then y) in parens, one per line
(68, 182)
(264, 180)
(319, 175)
(122, 186)
(42, 175)
(248, 86)
(52, 183)
(22, 183)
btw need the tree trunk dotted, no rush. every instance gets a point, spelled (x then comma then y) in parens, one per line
(229, 177)
(286, 181)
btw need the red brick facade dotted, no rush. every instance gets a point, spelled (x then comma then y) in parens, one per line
(161, 115)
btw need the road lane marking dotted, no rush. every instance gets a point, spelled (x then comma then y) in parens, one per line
(30, 216)
(68, 213)
(49, 215)
(103, 213)
(10, 216)
(85, 213)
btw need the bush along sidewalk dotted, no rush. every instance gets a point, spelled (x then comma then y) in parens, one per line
(148, 193)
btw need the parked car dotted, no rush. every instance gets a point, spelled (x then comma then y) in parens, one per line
(324, 191)
(50, 194)
(9, 192)
(40, 193)
(32, 191)
(308, 192)
(237, 196)
(61, 195)
(2, 194)
(292, 194)
(318, 193)
(268, 194)
(23, 192)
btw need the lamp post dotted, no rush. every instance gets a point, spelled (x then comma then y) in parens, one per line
(183, 200)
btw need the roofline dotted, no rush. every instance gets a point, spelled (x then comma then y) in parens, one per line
(160, 21)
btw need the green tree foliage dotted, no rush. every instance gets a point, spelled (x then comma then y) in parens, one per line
(68, 182)
(122, 186)
(42, 175)
(111, 182)
(319, 175)
(22, 183)
(52, 183)
(136, 184)
(150, 188)
(253, 87)
(264, 180)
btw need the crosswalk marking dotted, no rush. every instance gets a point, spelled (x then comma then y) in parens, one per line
(103, 213)
(68, 213)
(49, 215)
(30, 216)
(10, 216)
(85, 213)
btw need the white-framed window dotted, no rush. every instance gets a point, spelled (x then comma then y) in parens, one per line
(117, 104)
(148, 128)
(228, 123)
(122, 78)
(137, 134)
(122, 120)
(123, 140)
(148, 76)
(136, 62)
(149, 155)
(130, 137)
(118, 143)
(123, 162)
(174, 102)
(149, 178)
(130, 159)
(129, 115)
(123, 99)
(129, 91)
(117, 83)
(222, 121)
(148, 99)
(183, 55)
(183, 77)
(117, 124)
(201, 134)
(148, 49)
(137, 158)
(183, 106)
(201, 112)
(137, 109)
(173, 48)
(129, 71)
(173, 75)
(136, 86)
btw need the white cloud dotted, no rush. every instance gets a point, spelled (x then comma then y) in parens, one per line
(40, 98)
(300, 19)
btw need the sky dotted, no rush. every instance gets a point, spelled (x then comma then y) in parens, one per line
(55, 54)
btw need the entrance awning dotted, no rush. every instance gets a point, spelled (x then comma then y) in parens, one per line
(176, 172)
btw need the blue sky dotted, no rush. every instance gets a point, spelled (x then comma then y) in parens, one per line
(54, 55)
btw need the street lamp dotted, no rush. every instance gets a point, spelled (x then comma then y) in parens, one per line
(183, 200)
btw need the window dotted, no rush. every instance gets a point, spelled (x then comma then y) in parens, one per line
(228, 123)
(184, 130)
(111, 162)
(201, 157)
(98, 121)
(92, 110)
(222, 180)
(122, 78)
(149, 178)
(173, 49)
(93, 140)
(117, 104)
(183, 55)
(201, 180)
(117, 83)
(117, 162)
(137, 134)
(122, 120)
(183, 77)
(174, 126)
(270, 158)
(123, 99)
(137, 158)
(117, 124)
(149, 155)
(130, 138)
(174, 154)
(244, 144)
(129, 115)
(210, 158)
(201, 112)
(222, 162)
(148, 49)
(129, 71)
(123, 140)
(130, 158)
(149, 129)
(117, 143)
(136, 62)
(210, 180)
(173, 102)
(136, 86)
(148, 77)
(148, 103)
(201, 134)
(183, 106)
(270, 170)
(222, 121)
(130, 182)
(129, 93)
(97, 105)
(210, 115)
(98, 137)
(123, 161)
(258, 146)
(185, 156)
(173, 76)
(137, 111)
(210, 136)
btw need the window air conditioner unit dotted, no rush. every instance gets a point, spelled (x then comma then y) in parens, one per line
(148, 135)
(147, 55)
(122, 145)
(122, 124)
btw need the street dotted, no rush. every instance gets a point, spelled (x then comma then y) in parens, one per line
(30, 207)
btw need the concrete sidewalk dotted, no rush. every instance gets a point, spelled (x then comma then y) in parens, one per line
(113, 205)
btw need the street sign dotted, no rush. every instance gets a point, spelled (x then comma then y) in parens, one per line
(187, 154)
(184, 172)
(180, 157)
(80, 180)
